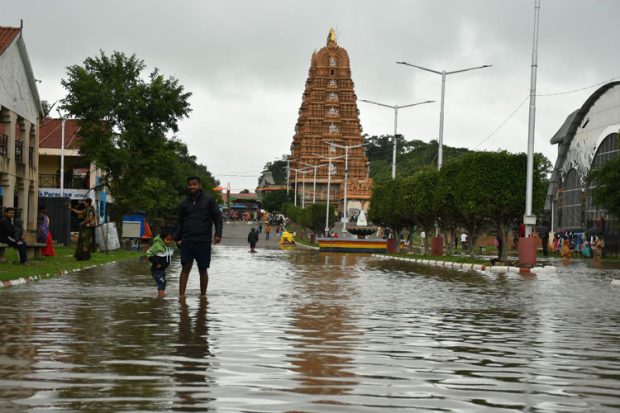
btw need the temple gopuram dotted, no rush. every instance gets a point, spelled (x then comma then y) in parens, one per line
(329, 113)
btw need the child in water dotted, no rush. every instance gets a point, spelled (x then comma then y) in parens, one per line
(160, 255)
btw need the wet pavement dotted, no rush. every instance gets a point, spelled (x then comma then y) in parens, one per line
(290, 331)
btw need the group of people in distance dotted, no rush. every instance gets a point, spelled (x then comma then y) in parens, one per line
(567, 243)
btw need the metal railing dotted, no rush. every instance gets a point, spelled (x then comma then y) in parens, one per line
(4, 146)
(19, 151)
(71, 182)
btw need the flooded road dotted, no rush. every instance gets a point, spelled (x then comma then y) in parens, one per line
(286, 331)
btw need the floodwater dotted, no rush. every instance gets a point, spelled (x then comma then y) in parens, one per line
(287, 331)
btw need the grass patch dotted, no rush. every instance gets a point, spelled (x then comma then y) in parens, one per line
(306, 242)
(62, 261)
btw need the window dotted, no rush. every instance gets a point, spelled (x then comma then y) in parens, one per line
(332, 61)
(570, 201)
(608, 149)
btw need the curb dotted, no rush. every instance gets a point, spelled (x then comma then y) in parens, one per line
(35, 278)
(308, 247)
(466, 266)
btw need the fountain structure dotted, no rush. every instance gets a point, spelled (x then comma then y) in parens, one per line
(362, 243)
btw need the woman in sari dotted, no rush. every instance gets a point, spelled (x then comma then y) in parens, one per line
(84, 244)
(44, 236)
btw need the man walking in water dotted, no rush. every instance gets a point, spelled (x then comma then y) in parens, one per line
(197, 215)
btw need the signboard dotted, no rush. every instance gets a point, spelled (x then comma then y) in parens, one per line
(69, 193)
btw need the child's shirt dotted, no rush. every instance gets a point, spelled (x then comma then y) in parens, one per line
(159, 254)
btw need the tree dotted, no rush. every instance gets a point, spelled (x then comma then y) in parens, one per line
(489, 188)
(274, 200)
(312, 217)
(421, 200)
(124, 119)
(277, 169)
(388, 207)
(606, 191)
(412, 156)
(315, 217)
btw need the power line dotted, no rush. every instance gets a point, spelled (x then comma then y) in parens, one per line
(501, 125)
(580, 89)
(566, 92)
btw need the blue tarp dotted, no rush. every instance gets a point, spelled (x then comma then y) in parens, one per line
(243, 206)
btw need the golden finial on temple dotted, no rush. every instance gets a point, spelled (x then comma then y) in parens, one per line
(331, 37)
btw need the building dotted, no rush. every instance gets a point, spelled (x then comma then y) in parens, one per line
(587, 139)
(329, 113)
(20, 111)
(79, 175)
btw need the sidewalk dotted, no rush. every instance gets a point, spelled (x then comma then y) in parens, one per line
(235, 234)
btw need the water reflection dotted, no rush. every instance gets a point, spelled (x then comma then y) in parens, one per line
(324, 326)
(193, 359)
(313, 332)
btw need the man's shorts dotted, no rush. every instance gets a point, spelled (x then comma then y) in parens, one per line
(199, 251)
(160, 278)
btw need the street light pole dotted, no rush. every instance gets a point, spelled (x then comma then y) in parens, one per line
(303, 182)
(295, 203)
(62, 157)
(329, 182)
(395, 107)
(346, 173)
(288, 173)
(443, 75)
(315, 167)
(303, 188)
(530, 220)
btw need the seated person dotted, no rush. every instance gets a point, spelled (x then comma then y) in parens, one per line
(8, 234)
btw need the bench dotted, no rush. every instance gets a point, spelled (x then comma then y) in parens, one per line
(485, 242)
(32, 251)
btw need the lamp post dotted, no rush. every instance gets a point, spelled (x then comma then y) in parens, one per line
(288, 173)
(395, 107)
(303, 187)
(62, 153)
(315, 167)
(296, 170)
(527, 245)
(443, 74)
(329, 181)
(303, 182)
(530, 220)
(346, 173)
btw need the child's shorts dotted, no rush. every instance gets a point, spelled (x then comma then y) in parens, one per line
(160, 278)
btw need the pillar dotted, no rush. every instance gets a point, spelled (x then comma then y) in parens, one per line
(8, 182)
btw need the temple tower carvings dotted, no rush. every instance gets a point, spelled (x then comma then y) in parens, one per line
(329, 113)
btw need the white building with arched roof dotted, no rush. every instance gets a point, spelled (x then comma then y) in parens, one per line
(587, 139)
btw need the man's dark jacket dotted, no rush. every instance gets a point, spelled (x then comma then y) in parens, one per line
(7, 231)
(253, 237)
(196, 218)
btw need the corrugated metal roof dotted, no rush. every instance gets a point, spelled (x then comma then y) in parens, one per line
(7, 36)
(50, 134)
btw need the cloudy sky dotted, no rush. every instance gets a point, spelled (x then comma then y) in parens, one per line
(246, 63)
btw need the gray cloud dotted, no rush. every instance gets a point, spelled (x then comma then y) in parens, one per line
(246, 63)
